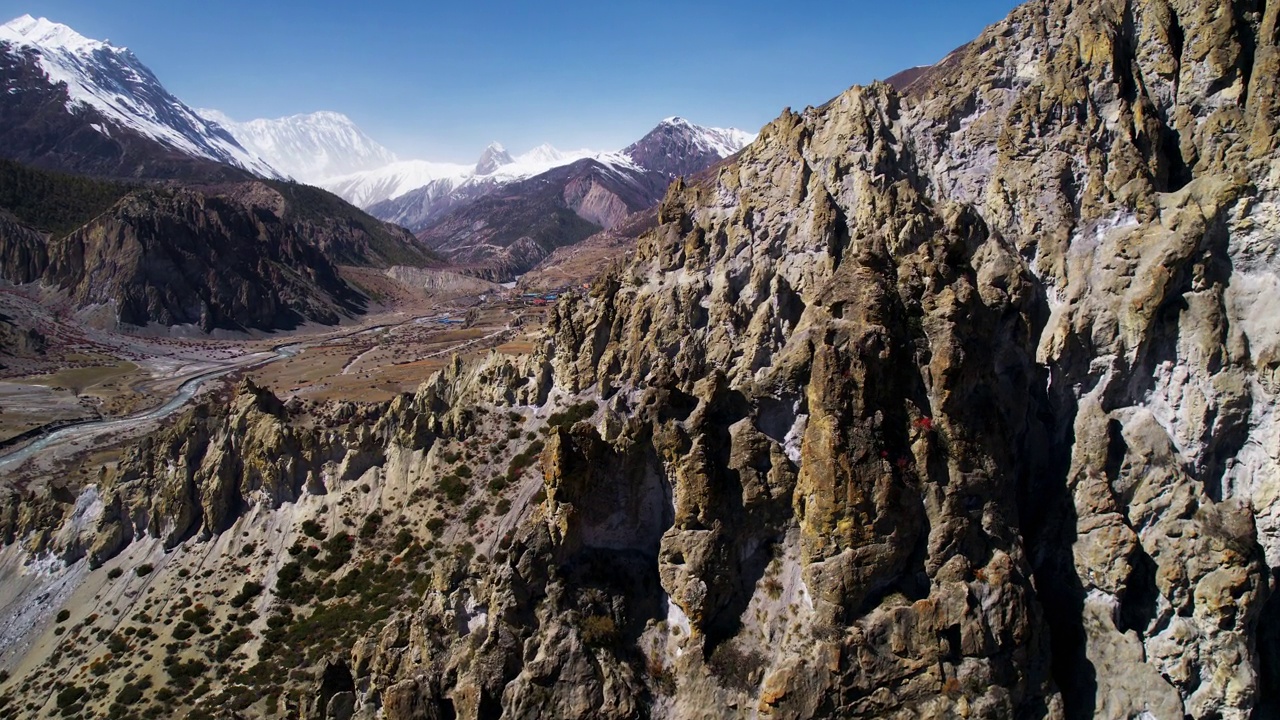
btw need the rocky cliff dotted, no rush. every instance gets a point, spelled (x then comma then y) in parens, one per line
(958, 401)
(257, 254)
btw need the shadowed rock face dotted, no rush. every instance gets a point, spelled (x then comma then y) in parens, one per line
(258, 254)
(959, 402)
(179, 258)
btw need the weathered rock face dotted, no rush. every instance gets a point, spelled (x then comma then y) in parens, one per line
(252, 255)
(952, 402)
(258, 254)
(999, 352)
(181, 257)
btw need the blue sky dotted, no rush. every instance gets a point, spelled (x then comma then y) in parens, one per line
(440, 80)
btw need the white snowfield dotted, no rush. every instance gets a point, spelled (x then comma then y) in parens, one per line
(368, 188)
(114, 82)
(310, 148)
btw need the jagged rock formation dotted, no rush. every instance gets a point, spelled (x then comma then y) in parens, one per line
(952, 402)
(997, 352)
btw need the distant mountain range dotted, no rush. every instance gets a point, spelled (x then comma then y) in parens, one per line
(221, 244)
(76, 105)
(675, 147)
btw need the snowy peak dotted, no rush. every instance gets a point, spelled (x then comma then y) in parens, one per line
(544, 153)
(493, 157)
(679, 147)
(125, 92)
(313, 147)
(723, 141)
(48, 34)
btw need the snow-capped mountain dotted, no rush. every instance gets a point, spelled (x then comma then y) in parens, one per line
(416, 208)
(495, 167)
(675, 147)
(493, 157)
(311, 148)
(115, 83)
(678, 147)
(365, 189)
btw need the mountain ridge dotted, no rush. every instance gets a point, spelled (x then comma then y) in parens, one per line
(124, 91)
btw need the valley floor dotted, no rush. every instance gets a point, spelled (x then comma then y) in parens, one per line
(90, 389)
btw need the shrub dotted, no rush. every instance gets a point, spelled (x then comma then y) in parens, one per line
(503, 507)
(311, 528)
(773, 588)
(231, 642)
(402, 541)
(571, 416)
(951, 687)
(734, 668)
(599, 631)
(117, 644)
(114, 573)
(337, 550)
(144, 569)
(249, 591)
(63, 614)
(454, 488)
(372, 523)
(70, 695)
(129, 694)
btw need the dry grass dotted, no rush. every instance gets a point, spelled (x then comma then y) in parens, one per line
(78, 380)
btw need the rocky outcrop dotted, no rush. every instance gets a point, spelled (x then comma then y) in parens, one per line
(22, 254)
(253, 255)
(952, 402)
(988, 362)
(440, 282)
(179, 257)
